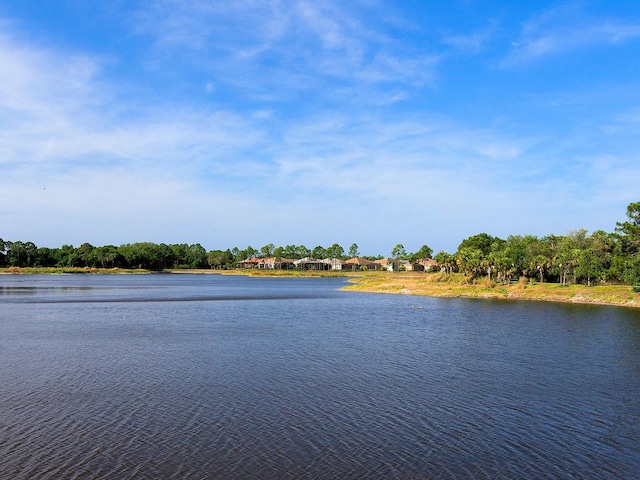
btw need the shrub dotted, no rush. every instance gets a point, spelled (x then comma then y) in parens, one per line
(522, 283)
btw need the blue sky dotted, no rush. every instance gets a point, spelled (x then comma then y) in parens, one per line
(301, 122)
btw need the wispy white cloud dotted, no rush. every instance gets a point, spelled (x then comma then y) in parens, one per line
(57, 106)
(472, 43)
(294, 44)
(32, 76)
(566, 28)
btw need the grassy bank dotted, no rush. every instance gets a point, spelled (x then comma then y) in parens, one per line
(437, 285)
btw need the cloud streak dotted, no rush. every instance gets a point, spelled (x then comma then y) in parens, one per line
(297, 45)
(566, 28)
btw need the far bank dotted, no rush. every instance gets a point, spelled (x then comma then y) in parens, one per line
(410, 283)
(435, 285)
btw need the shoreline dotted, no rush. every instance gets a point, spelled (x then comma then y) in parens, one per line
(426, 285)
(405, 283)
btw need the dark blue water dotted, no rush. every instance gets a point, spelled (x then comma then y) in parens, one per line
(194, 376)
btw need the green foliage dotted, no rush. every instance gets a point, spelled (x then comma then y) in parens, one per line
(424, 253)
(631, 270)
(267, 250)
(219, 259)
(319, 252)
(399, 252)
(629, 231)
(335, 251)
(481, 242)
(446, 261)
(574, 258)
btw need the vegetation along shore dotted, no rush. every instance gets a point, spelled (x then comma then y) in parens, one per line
(600, 268)
(433, 285)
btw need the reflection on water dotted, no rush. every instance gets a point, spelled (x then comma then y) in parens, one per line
(152, 290)
(120, 377)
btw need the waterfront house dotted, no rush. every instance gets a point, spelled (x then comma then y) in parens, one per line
(249, 263)
(359, 263)
(389, 264)
(273, 263)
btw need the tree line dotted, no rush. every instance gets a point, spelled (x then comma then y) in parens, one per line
(151, 256)
(577, 257)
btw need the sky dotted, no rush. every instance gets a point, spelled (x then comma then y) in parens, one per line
(301, 122)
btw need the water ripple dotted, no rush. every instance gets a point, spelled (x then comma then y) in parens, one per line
(316, 385)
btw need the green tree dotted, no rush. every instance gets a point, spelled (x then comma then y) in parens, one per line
(44, 258)
(67, 256)
(319, 252)
(626, 262)
(629, 231)
(588, 265)
(335, 251)
(237, 254)
(474, 255)
(515, 250)
(540, 264)
(597, 257)
(219, 258)
(197, 257)
(424, 253)
(446, 261)
(150, 256)
(30, 251)
(278, 254)
(107, 256)
(353, 250)
(470, 260)
(631, 273)
(20, 254)
(86, 254)
(267, 250)
(14, 249)
(290, 251)
(246, 254)
(568, 255)
(399, 252)
(481, 241)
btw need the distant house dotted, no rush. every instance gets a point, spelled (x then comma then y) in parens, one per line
(308, 263)
(429, 264)
(333, 263)
(405, 265)
(359, 263)
(425, 265)
(249, 263)
(389, 264)
(272, 263)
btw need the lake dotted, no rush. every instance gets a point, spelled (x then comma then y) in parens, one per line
(209, 376)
